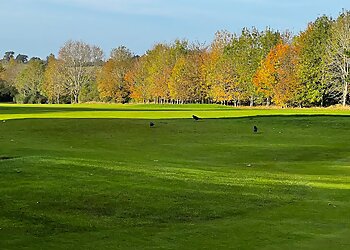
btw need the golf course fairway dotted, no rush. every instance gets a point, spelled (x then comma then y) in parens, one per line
(98, 176)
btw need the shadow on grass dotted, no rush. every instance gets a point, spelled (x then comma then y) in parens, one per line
(287, 115)
(136, 197)
(6, 158)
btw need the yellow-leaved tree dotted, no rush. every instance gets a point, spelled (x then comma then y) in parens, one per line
(54, 86)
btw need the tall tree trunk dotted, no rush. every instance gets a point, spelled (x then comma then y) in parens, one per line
(345, 93)
(76, 97)
(251, 102)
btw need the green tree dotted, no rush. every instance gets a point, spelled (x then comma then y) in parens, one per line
(247, 52)
(7, 92)
(9, 55)
(28, 83)
(89, 93)
(22, 58)
(312, 68)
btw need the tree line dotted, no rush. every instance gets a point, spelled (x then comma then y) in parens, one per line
(253, 67)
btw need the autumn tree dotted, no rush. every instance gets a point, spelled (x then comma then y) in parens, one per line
(247, 51)
(159, 66)
(220, 75)
(2, 70)
(111, 81)
(338, 55)
(179, 51)
(187, 81)
(9, 72)
(249, 68)
(80, 61)
(150, 77)
(276, 77)
(136, 79)
(12, 69)
(154, 71)
(54, 85)
(265, 77)
(179, 87)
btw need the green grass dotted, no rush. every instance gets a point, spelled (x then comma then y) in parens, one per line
(148, 111)
(97, 177)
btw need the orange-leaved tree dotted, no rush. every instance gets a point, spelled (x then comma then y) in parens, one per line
(276, 77)
(136, 80)
(111, 82)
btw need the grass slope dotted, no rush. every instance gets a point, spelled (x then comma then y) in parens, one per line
(118, 184)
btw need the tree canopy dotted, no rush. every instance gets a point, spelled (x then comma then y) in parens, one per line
(252, 67)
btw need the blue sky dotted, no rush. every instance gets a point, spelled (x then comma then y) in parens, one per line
(40, 27)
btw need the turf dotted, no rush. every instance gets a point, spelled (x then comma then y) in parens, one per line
(98, 177)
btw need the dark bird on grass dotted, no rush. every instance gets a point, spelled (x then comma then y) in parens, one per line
(196, 117)
(255, 129)
(151, 124)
